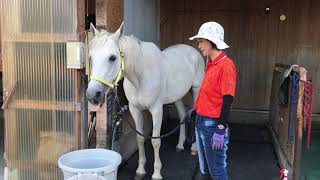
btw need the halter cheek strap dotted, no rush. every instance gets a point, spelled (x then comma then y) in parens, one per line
(119, 75)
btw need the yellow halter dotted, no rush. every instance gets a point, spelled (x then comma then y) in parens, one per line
(118, 78)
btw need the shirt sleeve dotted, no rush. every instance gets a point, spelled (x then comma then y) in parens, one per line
(228, 80)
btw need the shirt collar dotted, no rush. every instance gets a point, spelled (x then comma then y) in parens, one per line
(219, 58)
(216, 60)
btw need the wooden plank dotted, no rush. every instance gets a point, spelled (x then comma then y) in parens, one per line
(101, 14)
(81, 120)
(35, 37)
(101, 127)
(78, 129)
(33, 165)
(46, 105)
(84, 115)
(299, 126)
(115, 9)
(109, 14)
(280, 117)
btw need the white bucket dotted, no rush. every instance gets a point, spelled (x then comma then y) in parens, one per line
(90, 164)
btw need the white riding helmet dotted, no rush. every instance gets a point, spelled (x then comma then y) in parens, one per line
(213, 32)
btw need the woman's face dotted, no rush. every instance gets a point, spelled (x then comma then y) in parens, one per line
(204, 46)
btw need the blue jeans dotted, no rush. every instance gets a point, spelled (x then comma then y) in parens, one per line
(213, 162)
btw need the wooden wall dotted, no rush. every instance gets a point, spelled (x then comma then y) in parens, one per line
(258, 39)
(109, 14)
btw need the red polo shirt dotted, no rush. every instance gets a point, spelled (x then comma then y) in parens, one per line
(219, 80)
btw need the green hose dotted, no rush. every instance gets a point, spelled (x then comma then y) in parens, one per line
(114, 134)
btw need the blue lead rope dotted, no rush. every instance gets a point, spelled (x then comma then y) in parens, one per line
(109, 113)
(294, 95)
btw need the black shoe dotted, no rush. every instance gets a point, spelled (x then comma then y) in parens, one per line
(205, 177)
(200, 176)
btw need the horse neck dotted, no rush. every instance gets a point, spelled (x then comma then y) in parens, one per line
(132, 61)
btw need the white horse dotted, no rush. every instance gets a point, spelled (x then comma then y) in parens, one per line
(152, 78)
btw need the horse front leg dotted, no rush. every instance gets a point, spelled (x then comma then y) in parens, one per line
(138, 119)
(156, 113)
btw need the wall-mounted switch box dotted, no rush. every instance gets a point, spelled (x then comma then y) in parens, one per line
(76, 55)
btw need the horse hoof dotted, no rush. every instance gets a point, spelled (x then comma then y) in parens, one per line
(139, 176)
(179, 150)
(156, 177)
(194, 153)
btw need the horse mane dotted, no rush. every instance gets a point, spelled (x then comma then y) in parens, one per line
(132, 47)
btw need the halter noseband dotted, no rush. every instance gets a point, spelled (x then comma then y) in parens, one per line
(118, 78)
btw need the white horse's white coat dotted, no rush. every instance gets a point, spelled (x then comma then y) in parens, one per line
(152, 78)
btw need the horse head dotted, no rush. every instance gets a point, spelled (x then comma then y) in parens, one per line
(106, 63)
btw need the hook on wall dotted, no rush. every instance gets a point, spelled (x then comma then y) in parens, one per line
(267, 10)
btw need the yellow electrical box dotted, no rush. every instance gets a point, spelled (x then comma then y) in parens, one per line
(76, 55)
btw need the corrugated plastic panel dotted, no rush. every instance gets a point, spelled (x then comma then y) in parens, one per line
(42, 105)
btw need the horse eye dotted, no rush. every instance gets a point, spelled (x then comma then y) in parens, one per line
(112, 58)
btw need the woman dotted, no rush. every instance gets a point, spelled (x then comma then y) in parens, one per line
(213, 103)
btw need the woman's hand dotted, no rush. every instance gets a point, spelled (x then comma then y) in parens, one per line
(217, 139)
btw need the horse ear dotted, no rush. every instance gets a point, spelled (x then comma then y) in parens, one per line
(119, 32)
(93, 29)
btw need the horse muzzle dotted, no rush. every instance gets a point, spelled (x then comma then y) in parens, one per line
(95, 97)
(96, 93)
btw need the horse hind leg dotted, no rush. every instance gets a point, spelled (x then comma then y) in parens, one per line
(181, 111)
(138, 119)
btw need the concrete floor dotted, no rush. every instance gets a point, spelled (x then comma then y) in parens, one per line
(310, 157)
(250, 156)
(175, 166)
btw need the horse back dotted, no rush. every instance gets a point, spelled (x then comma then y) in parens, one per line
(181, 66)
